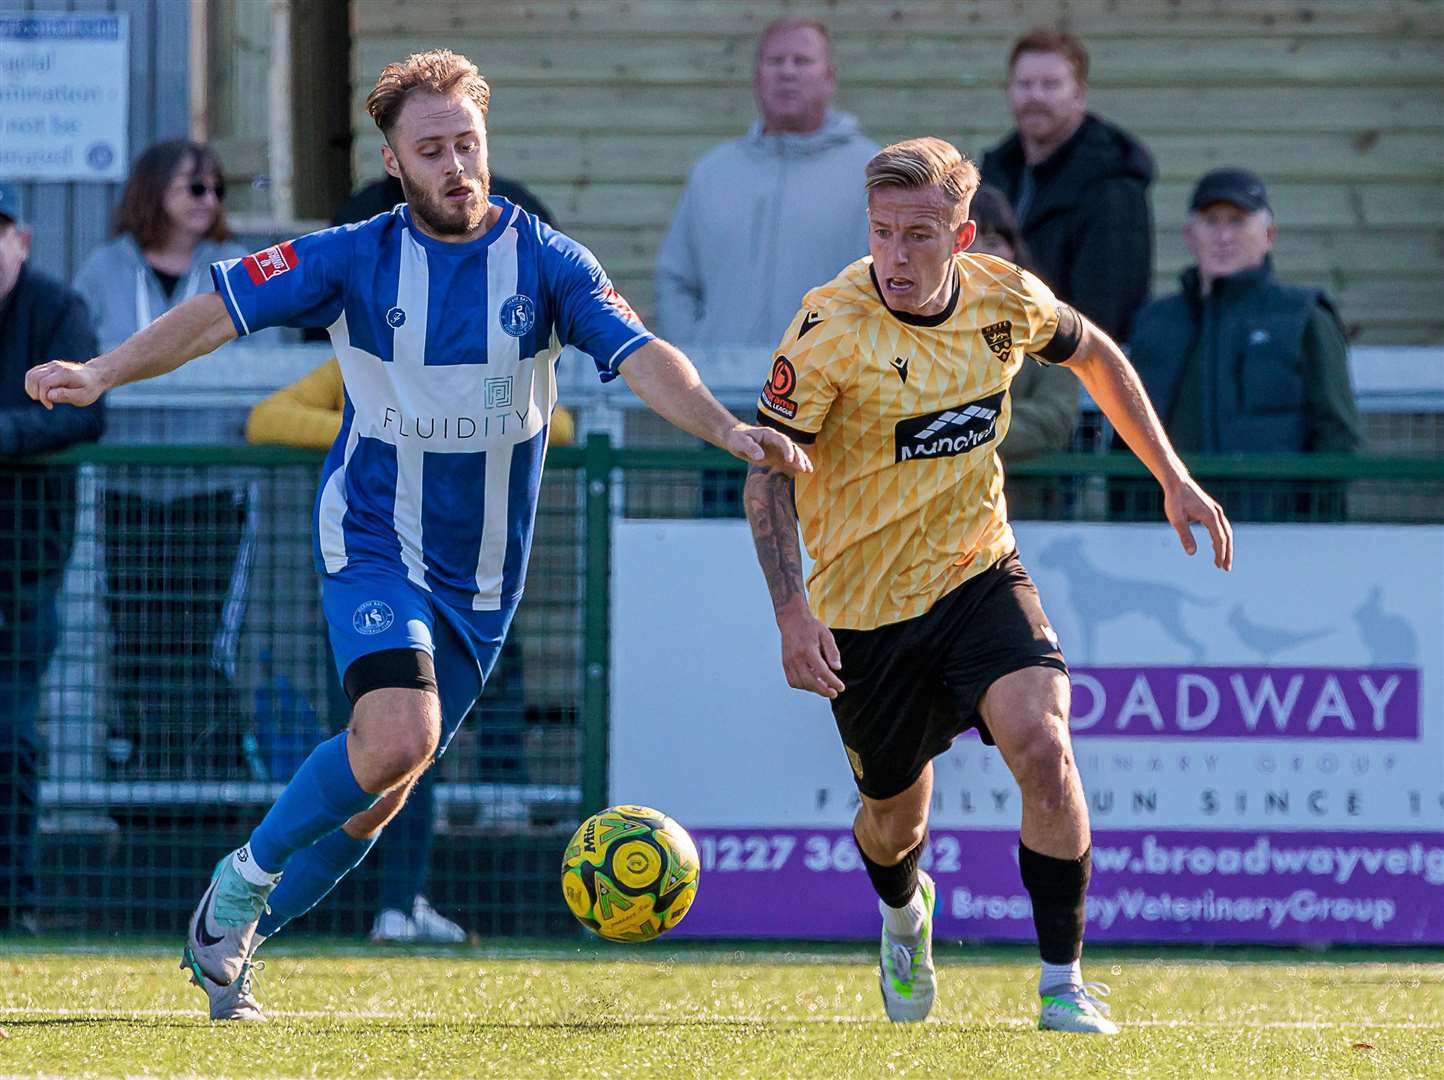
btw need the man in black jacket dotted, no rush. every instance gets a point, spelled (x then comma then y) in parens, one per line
(1078, 184)
(40, 320)
(1237, 362)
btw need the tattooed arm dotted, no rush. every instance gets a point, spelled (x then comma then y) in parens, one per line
(809, 654)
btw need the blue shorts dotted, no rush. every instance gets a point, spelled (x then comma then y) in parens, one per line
(369, 611)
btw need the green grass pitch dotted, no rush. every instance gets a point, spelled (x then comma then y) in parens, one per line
(693, 1010)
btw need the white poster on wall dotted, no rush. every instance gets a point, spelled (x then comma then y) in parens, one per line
(64, 95)
(1212, 714)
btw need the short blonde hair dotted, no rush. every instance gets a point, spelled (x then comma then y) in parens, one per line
(920, 163)
(439, 71)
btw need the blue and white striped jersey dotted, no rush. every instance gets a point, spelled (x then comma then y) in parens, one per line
(448, 352)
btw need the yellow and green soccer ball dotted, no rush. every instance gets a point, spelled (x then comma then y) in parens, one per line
(630, 873)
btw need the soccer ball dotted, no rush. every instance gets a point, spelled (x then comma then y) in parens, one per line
(630, 873)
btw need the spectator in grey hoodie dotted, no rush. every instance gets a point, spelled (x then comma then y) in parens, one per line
(177, 544)
(766, 217)
(170, 227)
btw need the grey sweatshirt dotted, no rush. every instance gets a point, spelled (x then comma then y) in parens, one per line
(123, 295)
(762, 220)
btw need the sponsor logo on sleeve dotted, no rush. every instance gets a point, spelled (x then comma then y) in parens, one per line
(777, 394)
(949, 432)
(619, 304)
(999, 337)
(270, 263)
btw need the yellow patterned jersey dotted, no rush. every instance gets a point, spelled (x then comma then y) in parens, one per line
(903, 414)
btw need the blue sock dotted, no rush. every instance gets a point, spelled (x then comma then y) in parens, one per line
(310, 875)
(321, 797)
(405, 853)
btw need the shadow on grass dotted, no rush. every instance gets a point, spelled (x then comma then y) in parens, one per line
(682, 950)
(321, 1026)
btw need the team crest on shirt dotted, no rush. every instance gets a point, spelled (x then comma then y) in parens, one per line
(518, 314)
(395, 318)
(372, 617)
(999, 337)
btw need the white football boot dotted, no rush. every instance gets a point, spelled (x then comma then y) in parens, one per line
(223, 928)
(236, 1001)
(905, 972)
(1079, 1009)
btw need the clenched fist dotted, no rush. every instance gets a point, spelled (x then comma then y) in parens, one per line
(63, 382)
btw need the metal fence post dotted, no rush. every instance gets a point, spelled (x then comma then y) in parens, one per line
(596, 621)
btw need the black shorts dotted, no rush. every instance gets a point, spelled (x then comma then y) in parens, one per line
(914, 686)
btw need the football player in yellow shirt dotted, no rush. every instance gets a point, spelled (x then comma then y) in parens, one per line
(917, 620)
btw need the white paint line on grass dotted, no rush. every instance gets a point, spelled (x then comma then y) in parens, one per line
(734, 1018)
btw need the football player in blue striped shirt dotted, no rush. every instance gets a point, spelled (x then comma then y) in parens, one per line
(448, 316)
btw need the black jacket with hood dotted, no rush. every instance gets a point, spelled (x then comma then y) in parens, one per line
(1089, 223)
(40, 320)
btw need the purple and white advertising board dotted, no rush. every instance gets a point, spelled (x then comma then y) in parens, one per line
(1263, 751)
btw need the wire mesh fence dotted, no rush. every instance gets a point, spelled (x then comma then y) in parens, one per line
(164, 668)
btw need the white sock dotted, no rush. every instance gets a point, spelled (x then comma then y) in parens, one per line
(245, 865)
(904, 922)
(1056, 976)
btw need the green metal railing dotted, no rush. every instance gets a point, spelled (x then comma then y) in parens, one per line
(159, 740)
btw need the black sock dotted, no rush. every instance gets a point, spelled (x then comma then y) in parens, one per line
(894, 884)
(1057, 887)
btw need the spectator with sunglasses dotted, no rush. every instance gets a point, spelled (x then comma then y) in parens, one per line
(170, 227)
(177, 545)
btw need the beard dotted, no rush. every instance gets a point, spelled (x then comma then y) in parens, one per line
(433, 211)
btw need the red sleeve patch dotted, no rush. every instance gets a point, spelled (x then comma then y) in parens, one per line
(619, 302)
(777, 394)
(273, 262)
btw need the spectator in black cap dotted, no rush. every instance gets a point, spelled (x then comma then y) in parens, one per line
(1237, 362)
(40, 320)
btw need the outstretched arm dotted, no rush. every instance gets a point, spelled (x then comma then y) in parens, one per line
(809, 654)
(665, 379)
(1115, 386)
(192, 329)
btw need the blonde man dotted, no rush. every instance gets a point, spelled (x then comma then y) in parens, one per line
(918, 621)
(448, 316)
(765, 216)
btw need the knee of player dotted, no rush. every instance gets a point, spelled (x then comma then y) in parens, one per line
(1044, 763)
(391, 743)
(897, 832)
(415, 743)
